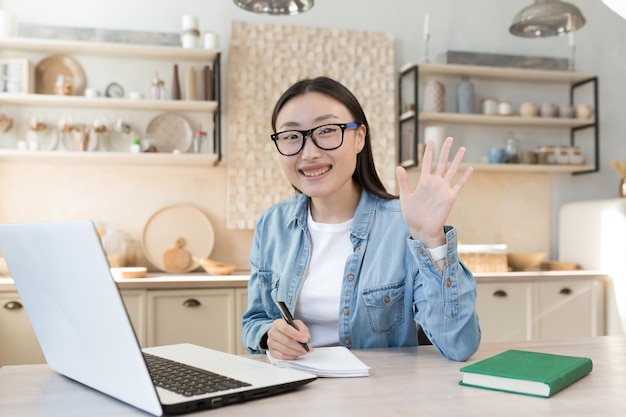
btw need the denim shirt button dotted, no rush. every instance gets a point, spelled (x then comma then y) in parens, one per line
(448, 283)
(420, 251)
(346, 341)
(350, 277)
(386, 299)
(346, 311)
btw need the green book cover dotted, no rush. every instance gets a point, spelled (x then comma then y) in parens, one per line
(525, 372)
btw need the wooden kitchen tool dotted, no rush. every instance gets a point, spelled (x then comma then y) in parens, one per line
(214, 267)
(177, 259)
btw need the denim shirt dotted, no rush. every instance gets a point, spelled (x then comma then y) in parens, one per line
(389, 281)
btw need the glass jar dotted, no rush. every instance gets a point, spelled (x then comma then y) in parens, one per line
(511, 152)
(200, 142)
(114, 244)
(158, 88)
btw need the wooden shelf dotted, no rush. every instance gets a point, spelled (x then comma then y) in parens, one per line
(479, 119)
(528, 168)
(107, 103)
(120, 50)
(110, 158)
(501, 73)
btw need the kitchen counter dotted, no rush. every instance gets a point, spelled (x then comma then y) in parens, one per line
(160, 280)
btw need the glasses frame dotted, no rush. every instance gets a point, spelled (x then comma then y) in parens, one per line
(309, 133)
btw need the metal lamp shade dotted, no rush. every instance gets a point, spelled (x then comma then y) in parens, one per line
(547, 18)
(276, 7)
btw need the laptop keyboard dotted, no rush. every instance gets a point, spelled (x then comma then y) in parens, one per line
(187, 380)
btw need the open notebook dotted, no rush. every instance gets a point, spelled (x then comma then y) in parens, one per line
(335, 361)
(77, 312)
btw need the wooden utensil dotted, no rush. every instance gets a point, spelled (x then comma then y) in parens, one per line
(215, 267)
(177, 259)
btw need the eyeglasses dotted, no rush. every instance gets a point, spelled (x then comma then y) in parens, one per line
(326, 137)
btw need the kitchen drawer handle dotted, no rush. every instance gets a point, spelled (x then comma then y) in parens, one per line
(565, 291)
(13, 305)
(500, 293)
(192, 302)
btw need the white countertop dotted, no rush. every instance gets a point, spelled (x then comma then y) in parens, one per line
(161, 280)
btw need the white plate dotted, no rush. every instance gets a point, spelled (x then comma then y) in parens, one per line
(170, 131)
(172, 222)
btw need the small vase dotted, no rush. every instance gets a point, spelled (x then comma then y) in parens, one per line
(434, 93)
(465, 96)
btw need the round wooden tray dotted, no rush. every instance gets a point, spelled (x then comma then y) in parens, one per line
(172, 222)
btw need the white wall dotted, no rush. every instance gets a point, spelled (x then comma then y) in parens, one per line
(478, 25)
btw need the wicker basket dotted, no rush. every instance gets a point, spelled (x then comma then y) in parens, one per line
(484, 258)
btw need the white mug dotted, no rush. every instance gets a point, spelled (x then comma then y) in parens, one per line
(7, 24)
(91, 92)
(435, 134)
(211, 40)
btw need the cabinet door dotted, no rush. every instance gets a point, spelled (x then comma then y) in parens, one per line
(569, 309)
(202, 317)
(503, 311)
(135, 302)
(241, 304)
(18, 343)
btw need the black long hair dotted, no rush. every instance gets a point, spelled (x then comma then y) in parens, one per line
(365, 173)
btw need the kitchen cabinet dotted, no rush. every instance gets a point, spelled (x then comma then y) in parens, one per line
(409, 94)
(206, 317)
(540, 309)
(135, 302)
(119, 57)
(18, 343)
(241, 304)
(202, 317)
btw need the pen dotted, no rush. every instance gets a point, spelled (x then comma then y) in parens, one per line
(284, 311)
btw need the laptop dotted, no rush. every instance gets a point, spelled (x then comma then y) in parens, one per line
(62, 275)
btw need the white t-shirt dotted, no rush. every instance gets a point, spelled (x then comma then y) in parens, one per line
(318, 303)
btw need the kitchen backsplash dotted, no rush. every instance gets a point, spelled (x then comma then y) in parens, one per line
(493, 208)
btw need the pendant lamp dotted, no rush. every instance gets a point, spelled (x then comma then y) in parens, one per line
(547, 18)
(618, 6)
(276, 7)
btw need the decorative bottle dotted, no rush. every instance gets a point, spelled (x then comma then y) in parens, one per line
(465, 96)
(175, 84)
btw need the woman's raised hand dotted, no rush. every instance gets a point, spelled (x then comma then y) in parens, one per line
(426, 208)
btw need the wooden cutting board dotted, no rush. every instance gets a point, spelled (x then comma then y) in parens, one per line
(177, 258)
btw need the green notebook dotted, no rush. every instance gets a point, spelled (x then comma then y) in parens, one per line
(524, 372)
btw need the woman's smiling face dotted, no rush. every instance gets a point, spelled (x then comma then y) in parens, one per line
(316, 172)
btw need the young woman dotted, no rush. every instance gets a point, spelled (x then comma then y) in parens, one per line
(355, 265)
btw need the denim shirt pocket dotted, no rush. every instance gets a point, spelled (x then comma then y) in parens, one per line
(384, 306)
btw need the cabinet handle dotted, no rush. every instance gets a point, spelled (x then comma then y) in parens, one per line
(565, 291)
(13, 305)
(500, 293)
(192, 302)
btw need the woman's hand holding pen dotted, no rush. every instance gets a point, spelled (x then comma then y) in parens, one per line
(426, 209)
(285, 342)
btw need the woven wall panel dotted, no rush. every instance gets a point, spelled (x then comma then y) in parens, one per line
(265, 59)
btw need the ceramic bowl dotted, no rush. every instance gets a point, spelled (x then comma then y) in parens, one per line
(523, 261)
